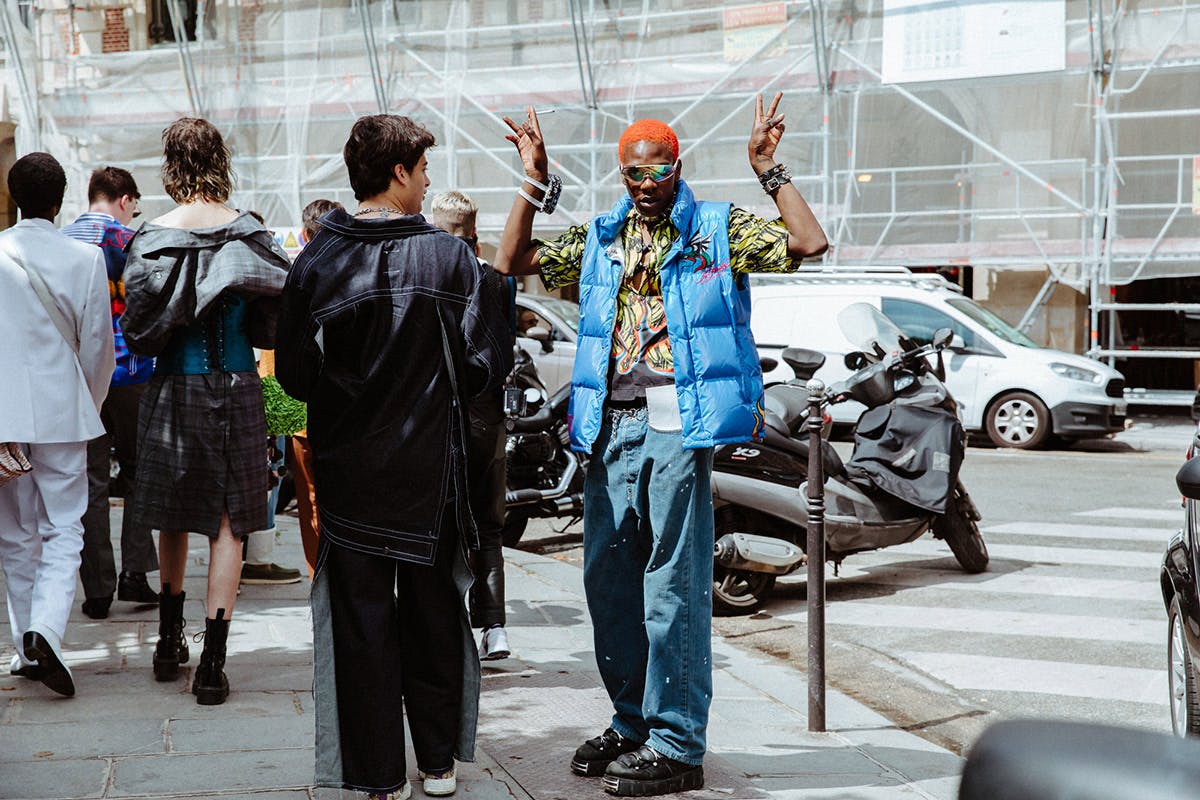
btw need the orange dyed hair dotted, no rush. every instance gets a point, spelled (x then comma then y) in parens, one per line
(649, 130)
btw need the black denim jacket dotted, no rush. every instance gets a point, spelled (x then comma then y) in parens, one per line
(381, 320)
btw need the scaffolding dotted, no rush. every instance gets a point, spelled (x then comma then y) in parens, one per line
(1085, 174)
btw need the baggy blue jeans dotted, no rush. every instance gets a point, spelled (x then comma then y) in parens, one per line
(647, 570)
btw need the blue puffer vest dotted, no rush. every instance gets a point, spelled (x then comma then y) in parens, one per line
(717, 376)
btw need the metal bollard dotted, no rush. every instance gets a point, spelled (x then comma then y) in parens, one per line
(816, 559)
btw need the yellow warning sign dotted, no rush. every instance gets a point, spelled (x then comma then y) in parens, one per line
(290, 243)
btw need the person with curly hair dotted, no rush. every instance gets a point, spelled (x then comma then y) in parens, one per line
(201, 291)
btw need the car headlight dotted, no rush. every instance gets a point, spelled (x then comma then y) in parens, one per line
(1072, 372)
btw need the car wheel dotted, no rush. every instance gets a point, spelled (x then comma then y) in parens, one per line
(1018, 419)
(1181, 678)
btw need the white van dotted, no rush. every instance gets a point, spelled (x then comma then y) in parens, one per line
(1008, 387)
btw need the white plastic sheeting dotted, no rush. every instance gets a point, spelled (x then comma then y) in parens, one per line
(1004, 171)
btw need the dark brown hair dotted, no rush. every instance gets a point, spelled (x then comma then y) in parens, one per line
(111, 183)
(196, 163)
(313, 212)
(376, 145)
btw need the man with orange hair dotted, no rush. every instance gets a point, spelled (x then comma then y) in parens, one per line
(665, 370)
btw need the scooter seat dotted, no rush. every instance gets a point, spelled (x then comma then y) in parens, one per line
(788, 405)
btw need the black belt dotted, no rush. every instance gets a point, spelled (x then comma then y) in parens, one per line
(626, 405)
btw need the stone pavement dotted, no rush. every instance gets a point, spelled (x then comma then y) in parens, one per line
(125, 736)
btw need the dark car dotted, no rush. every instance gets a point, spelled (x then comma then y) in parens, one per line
(1179, 586)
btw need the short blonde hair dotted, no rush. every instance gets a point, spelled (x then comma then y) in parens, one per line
(455, 212)
(197, 164)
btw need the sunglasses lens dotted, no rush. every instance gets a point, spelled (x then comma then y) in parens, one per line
(656, 172)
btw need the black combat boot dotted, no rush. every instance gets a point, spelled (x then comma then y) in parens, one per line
(210, 686)
(172, 649)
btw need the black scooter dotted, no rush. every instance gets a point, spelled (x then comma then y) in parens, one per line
(901, 481)
(544, 476)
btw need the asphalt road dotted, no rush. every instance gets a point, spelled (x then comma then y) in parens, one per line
(1068, 621)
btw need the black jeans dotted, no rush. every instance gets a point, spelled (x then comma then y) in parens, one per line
(486, 481)
(398, 650)
(97, 568)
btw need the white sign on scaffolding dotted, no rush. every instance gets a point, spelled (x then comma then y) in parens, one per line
(928, 40)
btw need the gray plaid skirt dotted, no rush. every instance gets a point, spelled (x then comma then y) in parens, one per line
(202, 450)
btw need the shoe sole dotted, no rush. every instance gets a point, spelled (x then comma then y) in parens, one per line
(210, 697)
(589, 769)
(166, 670)
(626, 787)
(270, 581)
(56, 677)
(498, 655)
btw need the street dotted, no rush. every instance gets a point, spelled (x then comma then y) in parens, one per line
(1068, 621)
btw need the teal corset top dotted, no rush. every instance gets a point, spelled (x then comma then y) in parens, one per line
(216, 343)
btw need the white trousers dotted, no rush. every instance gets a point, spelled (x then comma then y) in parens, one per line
(41, 536)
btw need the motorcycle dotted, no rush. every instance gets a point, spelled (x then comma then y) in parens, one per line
(900, 482)
(544, 476)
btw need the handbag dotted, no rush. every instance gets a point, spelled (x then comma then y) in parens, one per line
(13, 461)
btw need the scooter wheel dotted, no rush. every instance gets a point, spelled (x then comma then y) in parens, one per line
(736, 592)
(959, 531)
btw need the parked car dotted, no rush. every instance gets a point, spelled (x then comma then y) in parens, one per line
(1008, 387)
(553, 351)
(1179, 588)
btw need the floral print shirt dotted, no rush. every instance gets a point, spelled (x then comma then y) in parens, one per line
(641, 350)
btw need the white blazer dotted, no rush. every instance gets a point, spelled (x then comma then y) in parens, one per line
(46, 393)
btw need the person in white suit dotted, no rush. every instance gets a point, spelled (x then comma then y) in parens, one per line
(49, 404)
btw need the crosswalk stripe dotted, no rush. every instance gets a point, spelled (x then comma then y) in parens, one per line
(1017, 583)
(998, 674)
(1070, 531)
(1039, 554)
(977, 620)
(1174, 515)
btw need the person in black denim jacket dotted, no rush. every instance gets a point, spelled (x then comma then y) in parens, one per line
(388, 329)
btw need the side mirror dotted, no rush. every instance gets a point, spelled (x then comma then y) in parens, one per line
(766, 364)
(942, 338)
(856, 360)
(1188, 479)
(540, 334)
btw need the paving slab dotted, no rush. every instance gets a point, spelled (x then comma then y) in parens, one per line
(127, 736)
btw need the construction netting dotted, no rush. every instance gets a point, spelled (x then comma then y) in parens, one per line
(920, 132)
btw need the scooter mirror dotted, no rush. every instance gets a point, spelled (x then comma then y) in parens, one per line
(942, 337)
(957, 343)
(766, 363)
(1188, 479)
(856, 360)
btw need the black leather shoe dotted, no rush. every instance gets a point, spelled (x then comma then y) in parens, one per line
(594, 755)
(55, 676)
(646, 772)
(132, 587)
(97, 607)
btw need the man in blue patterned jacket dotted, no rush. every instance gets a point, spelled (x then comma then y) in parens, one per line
(112, 205)
(665, 370)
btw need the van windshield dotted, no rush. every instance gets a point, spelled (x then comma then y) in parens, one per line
(992, 322)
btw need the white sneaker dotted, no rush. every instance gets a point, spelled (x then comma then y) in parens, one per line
(493, 645)
(439, 787)
(403, 793)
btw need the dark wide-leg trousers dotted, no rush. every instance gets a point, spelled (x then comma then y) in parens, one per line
(97, 570)
(398, 649)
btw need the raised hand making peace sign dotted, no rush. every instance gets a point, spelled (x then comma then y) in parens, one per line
(528, 138)
(765, 134)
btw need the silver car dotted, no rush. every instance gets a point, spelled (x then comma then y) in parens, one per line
(553, 352)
